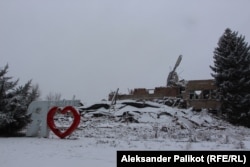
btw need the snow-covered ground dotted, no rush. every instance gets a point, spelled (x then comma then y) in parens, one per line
(104, 131)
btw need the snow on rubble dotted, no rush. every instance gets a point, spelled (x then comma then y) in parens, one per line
(127, 125)
(139, 121)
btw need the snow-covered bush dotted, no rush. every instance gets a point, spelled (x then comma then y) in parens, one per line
(14, 102)
(232, 76)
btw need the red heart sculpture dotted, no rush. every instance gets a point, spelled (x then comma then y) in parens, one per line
(51, 123)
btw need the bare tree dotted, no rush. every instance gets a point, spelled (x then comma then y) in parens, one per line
(53, 96)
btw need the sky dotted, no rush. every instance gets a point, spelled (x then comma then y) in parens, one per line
(88, 48)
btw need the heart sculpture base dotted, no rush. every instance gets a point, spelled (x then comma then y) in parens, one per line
(51, 122)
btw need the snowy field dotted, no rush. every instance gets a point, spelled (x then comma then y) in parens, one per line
(125, 127)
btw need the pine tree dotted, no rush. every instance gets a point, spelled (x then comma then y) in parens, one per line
(232, 76)
(14, 102)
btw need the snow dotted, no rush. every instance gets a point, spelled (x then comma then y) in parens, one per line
(30, 152)
(97, 139)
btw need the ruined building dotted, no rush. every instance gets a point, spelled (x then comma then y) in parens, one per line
(195, 93)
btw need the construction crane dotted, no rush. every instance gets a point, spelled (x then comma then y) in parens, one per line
(172, 76)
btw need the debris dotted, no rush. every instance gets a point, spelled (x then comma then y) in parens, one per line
(139, 105)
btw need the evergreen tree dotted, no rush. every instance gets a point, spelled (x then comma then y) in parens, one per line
(14, 102)
(232, 76)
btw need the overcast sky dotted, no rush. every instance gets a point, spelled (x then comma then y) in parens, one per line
(88, 48)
